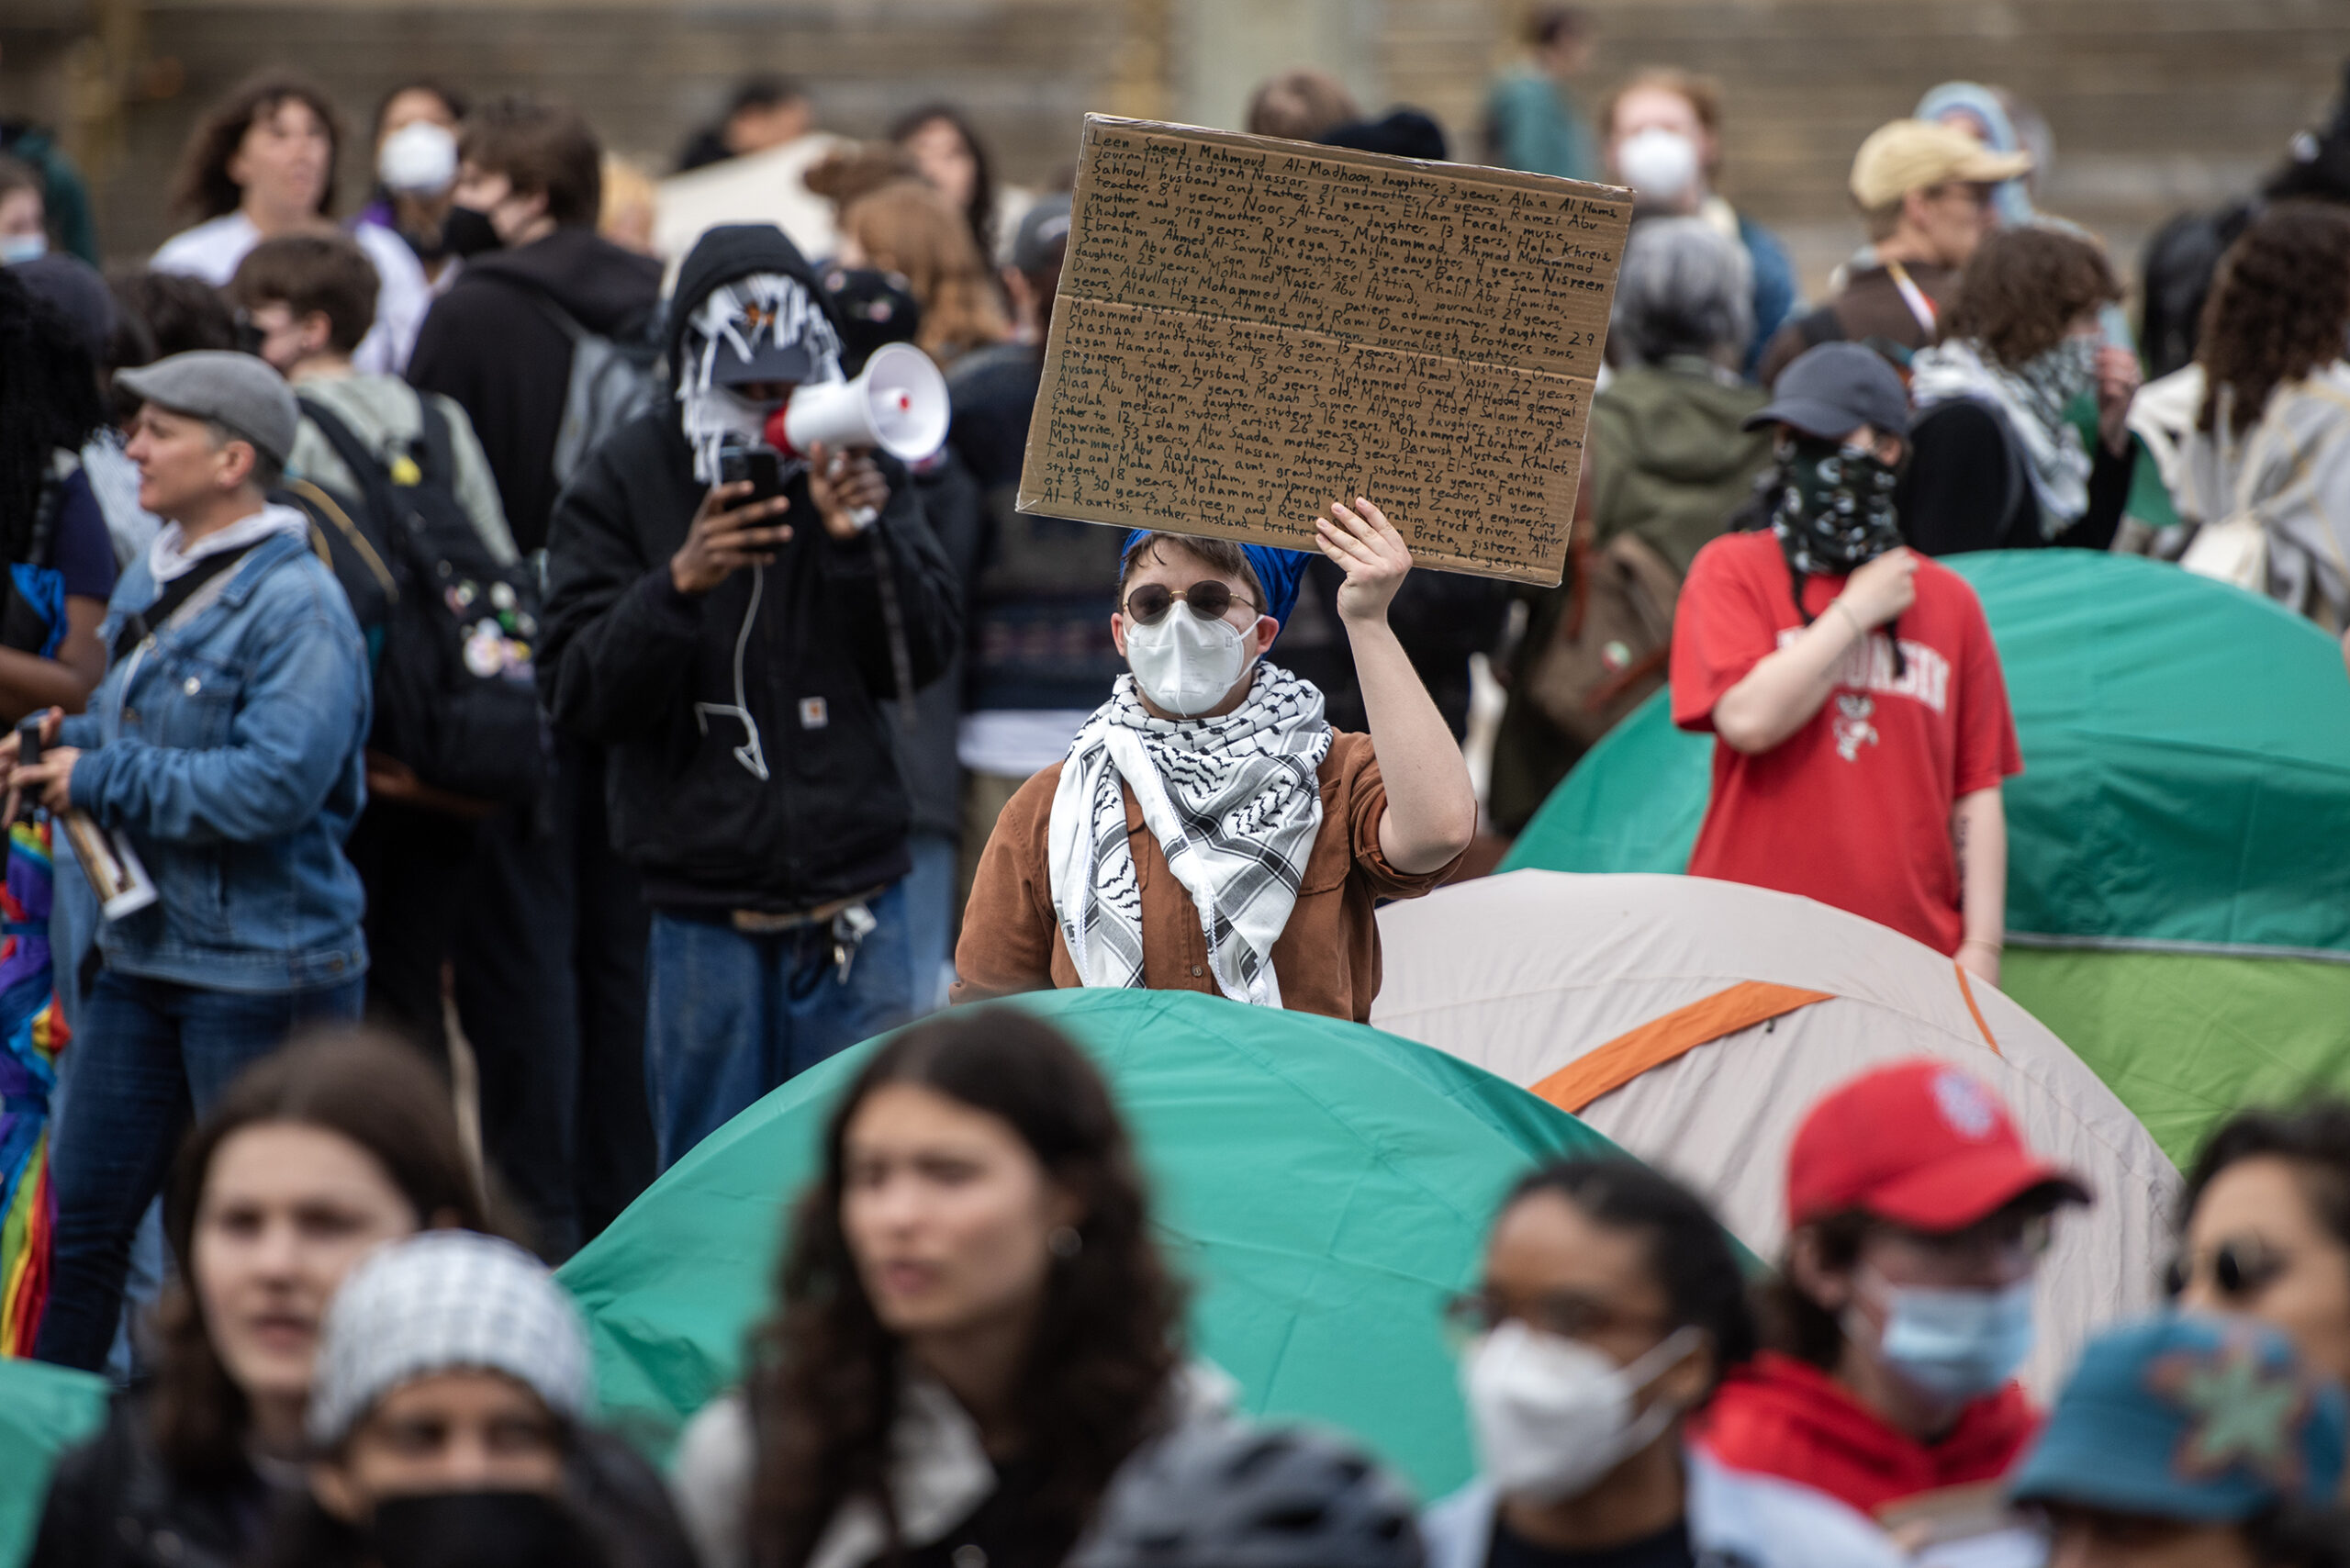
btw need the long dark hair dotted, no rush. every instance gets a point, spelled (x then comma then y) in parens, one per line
(48, 400)
(361, 1084)
(980, 213)
(203, 189)
(2277, 312)
(1097, 1378)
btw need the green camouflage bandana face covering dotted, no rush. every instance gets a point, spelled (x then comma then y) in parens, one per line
(1835, 510)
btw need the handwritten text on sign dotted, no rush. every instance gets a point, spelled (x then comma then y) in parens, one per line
(1247, 329)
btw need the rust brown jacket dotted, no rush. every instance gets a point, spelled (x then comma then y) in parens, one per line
(1327, 960)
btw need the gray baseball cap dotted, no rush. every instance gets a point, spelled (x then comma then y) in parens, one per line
(1043, 229)
(1836, 387)
(236, 390)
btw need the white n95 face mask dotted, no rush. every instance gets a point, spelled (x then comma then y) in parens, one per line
(418, 159)
(1188, 662)
(1552, 1415)
(1659, 165)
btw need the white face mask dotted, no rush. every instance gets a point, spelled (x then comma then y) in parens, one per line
(1955, 1345)
(1552, 1415)
(418, 159)
(1659, 165)
(1188, 663)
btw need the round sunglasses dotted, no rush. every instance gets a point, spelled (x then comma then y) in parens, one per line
(2239, 1268)
(1148, 605)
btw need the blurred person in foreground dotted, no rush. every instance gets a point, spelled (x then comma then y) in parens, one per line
(550, 954)
(1533, 120)
(312, 1158)
(973, 1327)
(1041, 656)
(1902, 1305)
(261, 163)
(732, 651)
(1860, 716)
(1924, 193)
(2190, 1442)
(1301, 105)
(225, 746)
(2264, 1229)
(1996, 462)
(448, 1426)
(2253, 437)
(1609, 1310)
(1210, 830)
(416, 170)
(909, 228)
(1664, 139)
(1670, 459)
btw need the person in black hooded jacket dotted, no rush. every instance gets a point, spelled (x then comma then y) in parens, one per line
(732, 654)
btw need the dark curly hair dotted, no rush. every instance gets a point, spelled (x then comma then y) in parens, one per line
(367, 1087)
(1105, 1348)
(2023, 289)
(2278, 308)
(49, 400)
(1687, 1251)
(203, 189)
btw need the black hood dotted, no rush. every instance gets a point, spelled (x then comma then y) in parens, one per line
(722, 256)
(604, 287)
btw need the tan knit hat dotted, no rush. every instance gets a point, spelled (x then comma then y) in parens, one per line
(1912, 154)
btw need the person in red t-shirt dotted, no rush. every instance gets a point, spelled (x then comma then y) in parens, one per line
(1902, 1305)
(1851, 684)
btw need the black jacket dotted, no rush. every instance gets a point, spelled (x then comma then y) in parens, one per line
(113, 1503)
(489, 343)
(1965, 487)
(628, 660)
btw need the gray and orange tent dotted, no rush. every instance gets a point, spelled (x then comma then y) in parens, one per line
(1694, 1021)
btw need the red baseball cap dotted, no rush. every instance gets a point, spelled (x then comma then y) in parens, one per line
(1918, 1143)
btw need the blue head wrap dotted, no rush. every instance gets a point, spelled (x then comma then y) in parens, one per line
(2010, 196)
(1278, 570)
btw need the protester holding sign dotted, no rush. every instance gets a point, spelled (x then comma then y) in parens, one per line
(1902, 1307)
(1860, 717)
(1210, 831)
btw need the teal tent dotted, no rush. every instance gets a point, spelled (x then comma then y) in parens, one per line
(43, 1411)
(2178, 890)
(1324, 1186)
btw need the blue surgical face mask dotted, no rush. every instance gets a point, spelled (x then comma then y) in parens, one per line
(1956, 1345)
(15, 249)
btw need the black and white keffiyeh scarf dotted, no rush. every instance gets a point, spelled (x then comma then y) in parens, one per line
(1236, 803)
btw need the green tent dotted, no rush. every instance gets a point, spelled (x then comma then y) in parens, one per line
(2178, 884)
(43, 1410)
(1324, 1186)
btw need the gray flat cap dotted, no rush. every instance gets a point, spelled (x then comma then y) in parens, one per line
(237, 390)
(1836, 387)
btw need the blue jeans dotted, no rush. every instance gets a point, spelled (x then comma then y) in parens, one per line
(151, 1055)
(730, 1015)
(930, 916)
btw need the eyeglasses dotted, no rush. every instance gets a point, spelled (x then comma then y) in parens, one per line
(2238, 1268)
(1148, 605)
(1567, 1316)
(1993, 1241)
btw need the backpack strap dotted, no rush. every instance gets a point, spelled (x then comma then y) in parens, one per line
(367, 467)
(437, 457)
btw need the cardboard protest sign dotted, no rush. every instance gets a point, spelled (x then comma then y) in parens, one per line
(1248, 328)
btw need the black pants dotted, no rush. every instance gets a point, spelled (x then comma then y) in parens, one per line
(546, 928)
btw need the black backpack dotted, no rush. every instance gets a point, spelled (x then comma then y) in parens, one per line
(450, 628)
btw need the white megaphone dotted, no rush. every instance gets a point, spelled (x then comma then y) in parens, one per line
(899, 404)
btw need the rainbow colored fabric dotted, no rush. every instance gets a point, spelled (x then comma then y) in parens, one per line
(32, 1033)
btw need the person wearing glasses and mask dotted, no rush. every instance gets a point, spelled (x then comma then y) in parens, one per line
(1860, 718)
(2265, 1229)
(1610, 1306)
(1902, 1305)
(1209, 829)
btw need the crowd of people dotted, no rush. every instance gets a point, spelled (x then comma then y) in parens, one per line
(433, 646)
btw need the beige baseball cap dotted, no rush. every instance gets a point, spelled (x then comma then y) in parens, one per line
(1911, 154)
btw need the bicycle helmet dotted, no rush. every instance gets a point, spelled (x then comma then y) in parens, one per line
(1233, 1495)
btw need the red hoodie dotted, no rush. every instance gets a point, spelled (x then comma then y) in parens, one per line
(1780, 1417)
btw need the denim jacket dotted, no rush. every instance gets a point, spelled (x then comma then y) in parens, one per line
(228, 746)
